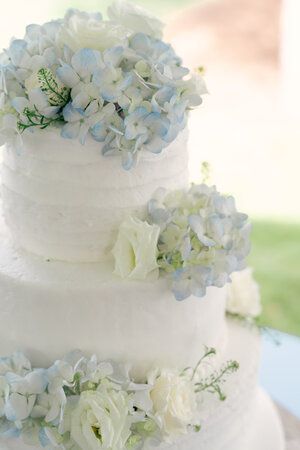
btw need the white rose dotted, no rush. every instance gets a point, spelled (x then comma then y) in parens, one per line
(174, 403)
(101, 420)
(82, 30)
(135, 251)
(135, 18)
(243, 294)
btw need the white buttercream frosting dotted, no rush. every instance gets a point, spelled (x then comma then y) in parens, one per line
(49, 308)
(65, 201)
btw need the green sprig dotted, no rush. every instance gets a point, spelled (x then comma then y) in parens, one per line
(209, 351)
(213, 384)
(36, 119)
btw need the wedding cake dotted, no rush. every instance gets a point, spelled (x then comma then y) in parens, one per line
(127, 313)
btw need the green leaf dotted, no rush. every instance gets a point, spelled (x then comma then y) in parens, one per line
(58, 95)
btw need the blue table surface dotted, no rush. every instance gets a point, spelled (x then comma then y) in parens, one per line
(280, 369)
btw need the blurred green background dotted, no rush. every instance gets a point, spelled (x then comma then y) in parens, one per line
(276, 260)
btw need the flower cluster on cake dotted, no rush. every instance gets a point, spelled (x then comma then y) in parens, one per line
(113, 79)
(98, 249)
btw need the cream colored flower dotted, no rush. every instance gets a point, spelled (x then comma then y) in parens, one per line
(101, 420)
(174, 402)
(135, 18)
(82, 30)
(244, 294)
(135, 251)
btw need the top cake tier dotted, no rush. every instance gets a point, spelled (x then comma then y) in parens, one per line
(65, 201)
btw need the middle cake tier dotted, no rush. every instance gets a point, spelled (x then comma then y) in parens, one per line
(49, 308)
(65, 201)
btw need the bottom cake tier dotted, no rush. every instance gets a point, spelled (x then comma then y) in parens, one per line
(246, 420)
(263, 431)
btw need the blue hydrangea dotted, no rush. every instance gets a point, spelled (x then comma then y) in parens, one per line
(115, 81)
(203, 238)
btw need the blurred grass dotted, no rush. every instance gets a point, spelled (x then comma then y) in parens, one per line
(275, 258)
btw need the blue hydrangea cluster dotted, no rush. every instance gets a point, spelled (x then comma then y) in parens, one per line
(40, 406)
(115, 80)
(203, 238)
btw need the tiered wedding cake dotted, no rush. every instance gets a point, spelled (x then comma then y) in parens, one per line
(116, 255)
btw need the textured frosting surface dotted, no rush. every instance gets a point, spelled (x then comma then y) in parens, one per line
(49, 308)
(246, 420)
(65, 201)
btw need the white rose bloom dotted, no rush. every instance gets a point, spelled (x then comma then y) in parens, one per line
(82, 30)
(135, 18)
(101, 420)
(135, 251)
(243, 294)
(174, 402)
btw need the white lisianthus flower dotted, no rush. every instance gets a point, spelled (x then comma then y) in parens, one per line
(244, 294)
(135, 251)
(174, 403)
(135, 18)
(101, 420)
(82, 30)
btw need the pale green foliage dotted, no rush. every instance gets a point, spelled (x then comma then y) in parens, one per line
(36, 119)
(58, 94)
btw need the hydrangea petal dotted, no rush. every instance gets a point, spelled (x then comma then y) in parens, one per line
(86, 61)
(70, 130)
(68, 76)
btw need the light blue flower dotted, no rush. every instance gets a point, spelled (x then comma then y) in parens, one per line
(106, 129)
(157, 128)
(118, 144)
(92, 370)
(135, 95)
(18, 53)
(84, 63)
(23, 392)
(147, 128)
(16, 363)
(191, 281)
(112, 82)
(79, 121)
(8, 430)
(48, 407)
(198, 225)
(135, 123)
(78, 76)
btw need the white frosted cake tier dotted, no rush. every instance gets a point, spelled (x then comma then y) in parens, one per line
(246, 420)
(65, 201)
(50, 307)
